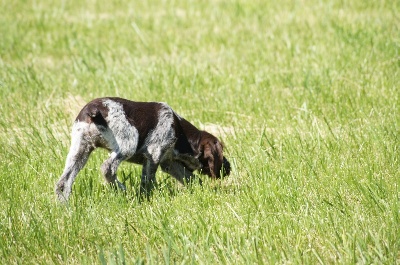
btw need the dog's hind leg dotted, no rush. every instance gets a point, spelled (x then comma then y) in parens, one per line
(122, 139)
(121, 149)
(79, 152)
(109, 169)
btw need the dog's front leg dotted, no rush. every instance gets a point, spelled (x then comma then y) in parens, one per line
(188, 161)
(148, 180)
(176, 169)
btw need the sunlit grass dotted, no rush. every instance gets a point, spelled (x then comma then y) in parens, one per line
(304, 95)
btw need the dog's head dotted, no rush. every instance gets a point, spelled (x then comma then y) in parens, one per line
(214, 164)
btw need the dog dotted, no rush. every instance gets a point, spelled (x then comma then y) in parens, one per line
(146, 133)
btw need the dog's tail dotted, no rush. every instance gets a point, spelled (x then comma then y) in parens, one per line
(92, 113)
(95, 116)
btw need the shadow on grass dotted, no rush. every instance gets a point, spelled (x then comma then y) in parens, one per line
(167, 186)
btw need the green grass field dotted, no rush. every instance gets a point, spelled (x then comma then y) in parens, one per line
(304, 94)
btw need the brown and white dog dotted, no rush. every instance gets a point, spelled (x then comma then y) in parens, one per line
(146, 133)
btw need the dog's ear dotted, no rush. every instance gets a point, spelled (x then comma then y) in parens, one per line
(213, 154)
(209, 157)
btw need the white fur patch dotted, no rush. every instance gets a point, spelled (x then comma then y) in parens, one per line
(78, 129)
(80, 137)
(163, 134)
(123, 136)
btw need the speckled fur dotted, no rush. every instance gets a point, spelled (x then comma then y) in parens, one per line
(147, 133)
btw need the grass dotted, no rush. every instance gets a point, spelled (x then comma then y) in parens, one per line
(305, 95)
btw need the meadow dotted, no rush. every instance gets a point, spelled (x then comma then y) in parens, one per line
(304, 95)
